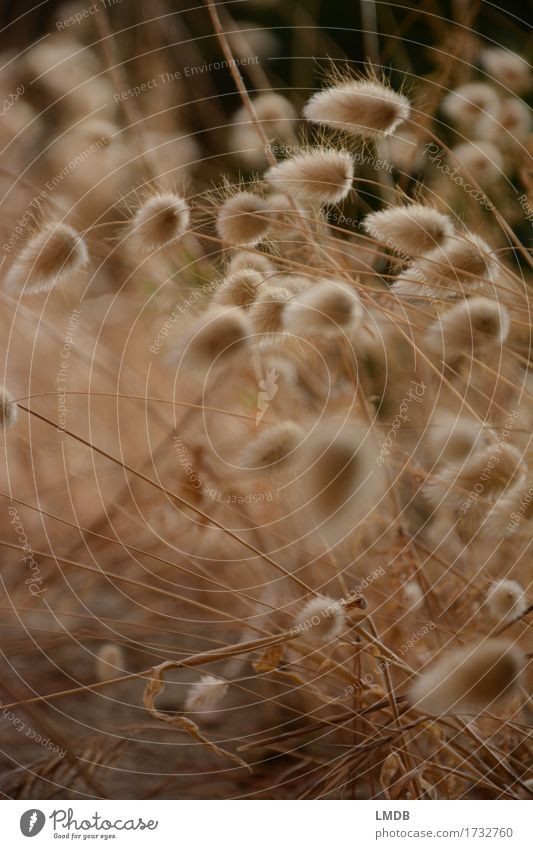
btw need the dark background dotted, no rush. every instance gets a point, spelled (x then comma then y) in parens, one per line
(23, 21)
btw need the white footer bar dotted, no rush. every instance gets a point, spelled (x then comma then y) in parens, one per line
(268, 824)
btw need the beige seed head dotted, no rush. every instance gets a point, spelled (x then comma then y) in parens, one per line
(275, 112)
(280, 207)
(515, 118)
(206, 693)
(109, 662)
(8, 409)
(99, 132)
(244, 219)
(462, 263)
(159, 222)
(480, 480)
(404, 151)
(61, 63)
(259, 41)
(320, 176)
(337, 466)
(510, 125)
(245, 144)
(453, 438)
(414, 229)
(296, 283)
(320, 620)
(51, 256)
(469, 680)
(520, 509)
(173, 154)
(361, 108)
(276, 366)
(266, 312)
(469, 103)
(250, 259)
(414, 595)
(495, 519)
(509, 471)
(217, 334)
(480, 159)
(507, 68)
(468, 255)
(327, 308)
(273, 448)
(506, 600)
(468, 328)
(239, 289)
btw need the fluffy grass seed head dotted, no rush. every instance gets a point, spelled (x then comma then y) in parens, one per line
(467, 328)
(8, 409)
(218, 333)
(468, 255)
(281, 208)
(478, 481)
(469, 680)
(266, 312)
(481, 159)
(507, 68)
(338, 469)
(319, 176)
(259, 41)
(109, 661)
(159, 222)
(277, 116)
(363, 108)
(326, 308)
(514, 117)
(453, 438)
(510, 125)
(320, 620)
(415, 228)
(61, 63)
(506, 600)
(244, 219)
(205, 694)
(246, 146)
(414, 595)
(239, 289)
(508, 472)
(296, 283)
(275, 112)
(273, 448)
(98, 131)
(404, 151)
(54, 254)
(462, 263)
(466, 105)
(278, 370)
(250, 259)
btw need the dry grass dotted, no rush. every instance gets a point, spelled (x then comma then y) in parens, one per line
(267, 485)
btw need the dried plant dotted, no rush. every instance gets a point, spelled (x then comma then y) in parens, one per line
(269, 412)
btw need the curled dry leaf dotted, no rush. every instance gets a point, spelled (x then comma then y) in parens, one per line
(270, 659)
(154, 686)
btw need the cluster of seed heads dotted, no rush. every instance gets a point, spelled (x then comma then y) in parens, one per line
(417, 297)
